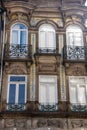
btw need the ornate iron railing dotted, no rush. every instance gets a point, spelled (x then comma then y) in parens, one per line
(48, 107)
(47, 50)
(75, 52)
(18, 51)
(16, 107)
(78, 107)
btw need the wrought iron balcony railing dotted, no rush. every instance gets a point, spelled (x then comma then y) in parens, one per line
(16, 107)
(75, 52)
(45, 50)
(18, 51)
(48, 107)
(75, 107)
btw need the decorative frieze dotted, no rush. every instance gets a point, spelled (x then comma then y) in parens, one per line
(76, 69)
(77, 123)
(47, 68)
(9, 123)
(15, 68)
(57, 123)
(34, 21)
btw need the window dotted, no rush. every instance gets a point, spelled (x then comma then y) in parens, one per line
(75, 49)
(86, 3)
(16, 97)
(19, 34)
(48, 92)
(74, 35)
(47, 39)
(78, 90)
(18, 41)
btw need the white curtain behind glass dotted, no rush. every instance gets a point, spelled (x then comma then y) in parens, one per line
(74, 35)
(47, 89)
(19, 34)
(78, 89)
(47, 37)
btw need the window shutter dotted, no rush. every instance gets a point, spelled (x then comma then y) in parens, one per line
(78, 39)
(73, 94)
(15, 37)
(50, 40)
(81, 94)
(21, 98)
(52, 94)
(70, 38)
(12, 93)
(42, 93)
(23, 37)
(42, 39)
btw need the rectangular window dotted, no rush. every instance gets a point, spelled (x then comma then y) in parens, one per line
(48, 91)
(16, 90)
(78, 90)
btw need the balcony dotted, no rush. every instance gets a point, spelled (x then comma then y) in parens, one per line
(45, 50)
(48, 107)
(75, 53)
(75, 107)
(16, 51)
(16, 107)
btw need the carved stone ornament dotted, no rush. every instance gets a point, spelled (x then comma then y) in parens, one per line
(21, 123)
(16, 68)
(9, 123)
(76, 123)
(76, 70)
(47, 67)
(1, 123)
(34, 21)
(51, 123)
(73, 18)
(19, 16)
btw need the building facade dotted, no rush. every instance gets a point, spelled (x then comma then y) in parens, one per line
(43, 65)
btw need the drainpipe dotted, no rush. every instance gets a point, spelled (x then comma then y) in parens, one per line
(2, 46)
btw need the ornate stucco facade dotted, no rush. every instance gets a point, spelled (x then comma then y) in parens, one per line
(32, 62)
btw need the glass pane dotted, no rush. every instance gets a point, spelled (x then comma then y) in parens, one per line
(50, 79)
(52, 97)
(81, 94)
(21, 97)
(23, 37)
(42, 93)
(12, 93)
(73, 94)
(78, 39)
(50, 40)
(42, 39)
(17, 78)
(14, 37)
(70, 38)
(19, 26)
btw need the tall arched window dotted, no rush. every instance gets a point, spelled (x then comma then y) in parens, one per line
(74, 35)
(18, 40)
(47, 38)
(19, 34)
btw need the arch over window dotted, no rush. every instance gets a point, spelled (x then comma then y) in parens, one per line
(47, 38)
(74, 35)
(19, 34)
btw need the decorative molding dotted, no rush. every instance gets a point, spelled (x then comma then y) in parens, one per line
(9, 123)
(76, 70)
(58, 21)
(75, 123)
(57, 123)
(16, 68)
(47, 67)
